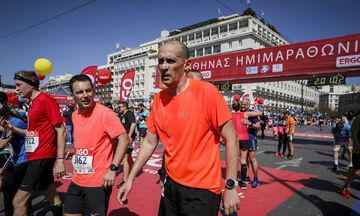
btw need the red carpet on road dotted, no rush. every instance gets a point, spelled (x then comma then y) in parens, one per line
(275, 187)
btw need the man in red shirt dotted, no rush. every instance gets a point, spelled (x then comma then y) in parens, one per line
(192, 159)
(44, 143)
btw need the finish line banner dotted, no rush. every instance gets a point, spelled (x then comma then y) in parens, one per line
(339, 55)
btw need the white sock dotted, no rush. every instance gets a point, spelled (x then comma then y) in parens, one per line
(350, 164)
(336, 162)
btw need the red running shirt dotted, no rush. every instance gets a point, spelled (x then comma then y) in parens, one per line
(241, 129)
(43, 115)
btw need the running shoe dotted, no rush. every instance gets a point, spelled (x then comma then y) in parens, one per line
(346, 191)
(243, 185)
(335, 167)
(282, 155)
(277, 154)
(247, 180)
(255, 183)
(290, 157)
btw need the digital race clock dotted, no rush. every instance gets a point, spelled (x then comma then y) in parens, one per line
(326, 80)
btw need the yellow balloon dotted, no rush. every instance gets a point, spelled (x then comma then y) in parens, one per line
(43, 66)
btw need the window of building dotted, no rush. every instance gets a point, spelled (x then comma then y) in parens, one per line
(240, 43)
(184, 39)
(331, 89)
(191, 37)
(232, 26)
(217, 49)
(208, 51)
(206, 33)
(214, 31)
(230, 45)
(192, 53)
(198, 35)
(199, 52)
(223, 28)
(243, 24)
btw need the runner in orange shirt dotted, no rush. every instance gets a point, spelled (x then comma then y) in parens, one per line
(95, 128)
(187, 117)
(290, 125)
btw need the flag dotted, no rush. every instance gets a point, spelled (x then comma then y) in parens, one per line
(91, 72)
(126, 85)
(255, 107)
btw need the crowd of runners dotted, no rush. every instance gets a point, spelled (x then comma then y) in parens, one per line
(190, 118)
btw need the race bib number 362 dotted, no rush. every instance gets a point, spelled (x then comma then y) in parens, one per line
(82, 161)
(31, 141)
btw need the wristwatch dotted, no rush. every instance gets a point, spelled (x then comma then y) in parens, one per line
(230, 183)
(113, 167)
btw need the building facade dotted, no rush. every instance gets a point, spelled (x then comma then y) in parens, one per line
(336, 97)
(212, 37)
(57, 81)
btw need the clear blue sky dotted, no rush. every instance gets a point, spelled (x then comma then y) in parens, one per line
(85, 36)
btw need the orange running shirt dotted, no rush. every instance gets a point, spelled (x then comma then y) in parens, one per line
(188, 126)
(95, 132)
(289, 122)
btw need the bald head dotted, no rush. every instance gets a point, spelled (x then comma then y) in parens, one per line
(194, 74)
(245, 105)
(184, 51)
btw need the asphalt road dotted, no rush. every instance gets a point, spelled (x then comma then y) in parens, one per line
(321, 196)
(313, 156)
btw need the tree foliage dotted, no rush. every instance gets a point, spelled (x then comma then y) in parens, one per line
(249, 12)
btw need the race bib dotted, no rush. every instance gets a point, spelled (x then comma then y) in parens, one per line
(31, 141)
(82, 161)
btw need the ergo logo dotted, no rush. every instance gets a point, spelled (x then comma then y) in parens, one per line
(126, 86)
(206, 74)
(348, 61)
(82, 152)
(30, 133)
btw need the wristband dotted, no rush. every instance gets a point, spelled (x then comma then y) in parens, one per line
(60, 158)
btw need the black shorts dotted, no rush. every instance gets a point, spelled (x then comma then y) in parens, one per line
(87, 200)
(251, 145)
(4, 158)
(356, 161)
(288, 137)
(39, 175)
(142, 132)
(182, 200)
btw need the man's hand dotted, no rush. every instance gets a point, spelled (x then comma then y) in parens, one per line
(231, 201)
(124, 191)
(109, 178)
(161, 181)
(5, 123)
(60, 168)
(245, 122)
